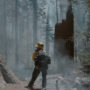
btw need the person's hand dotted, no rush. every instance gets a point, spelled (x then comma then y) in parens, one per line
(35, 58)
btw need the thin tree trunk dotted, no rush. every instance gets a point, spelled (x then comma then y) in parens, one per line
(34, 22)
(57, 10)
(16, 30)
(61, 9)
(5, 29)
(47, 33)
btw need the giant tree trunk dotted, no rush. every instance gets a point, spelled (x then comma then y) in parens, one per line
(8, 75)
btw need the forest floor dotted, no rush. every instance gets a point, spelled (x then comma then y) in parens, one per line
(69, 79)
(54, 82)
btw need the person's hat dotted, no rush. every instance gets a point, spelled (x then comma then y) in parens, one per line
(39, 45)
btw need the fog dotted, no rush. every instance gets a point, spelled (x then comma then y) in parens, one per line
(23, 23)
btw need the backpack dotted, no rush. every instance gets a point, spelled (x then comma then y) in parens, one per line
(43, 60)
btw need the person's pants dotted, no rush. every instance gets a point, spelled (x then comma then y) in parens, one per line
(35, 75)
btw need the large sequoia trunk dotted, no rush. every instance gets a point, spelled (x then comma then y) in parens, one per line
(64, 35)
(2, 82)
(7, 75)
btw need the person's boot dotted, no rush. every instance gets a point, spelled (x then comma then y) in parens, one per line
(43, 85)
(30, 87)
(43, 88)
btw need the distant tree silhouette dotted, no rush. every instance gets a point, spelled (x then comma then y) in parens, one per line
(35, 7)
(16, 30)
(47, 33)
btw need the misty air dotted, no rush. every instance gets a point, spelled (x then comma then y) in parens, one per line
(44, 45)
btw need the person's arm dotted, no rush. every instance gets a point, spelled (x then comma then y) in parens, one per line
(34, 56)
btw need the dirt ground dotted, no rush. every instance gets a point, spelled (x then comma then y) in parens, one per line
(54, 82)
(20, 86)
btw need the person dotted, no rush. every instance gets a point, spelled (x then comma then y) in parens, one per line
(41, 60)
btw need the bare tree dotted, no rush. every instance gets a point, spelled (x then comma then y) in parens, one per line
(16, 30)
(5, 32)
(47, 33)
(57, 10)
(34, 2)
